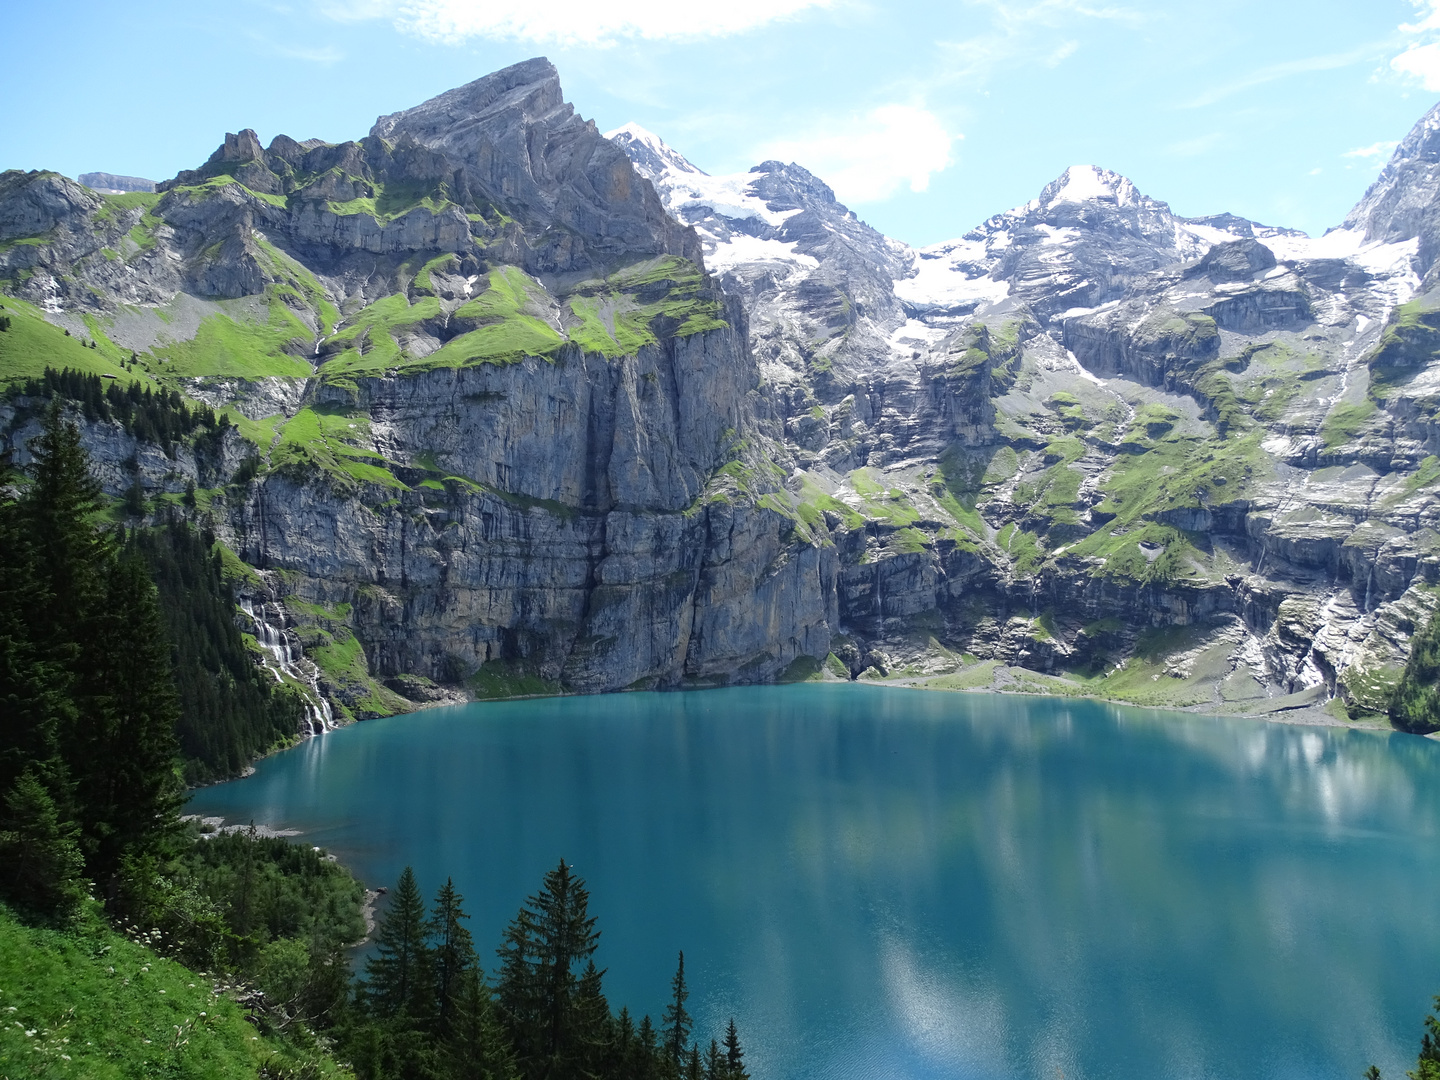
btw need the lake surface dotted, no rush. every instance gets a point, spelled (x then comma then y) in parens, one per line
(887, 883)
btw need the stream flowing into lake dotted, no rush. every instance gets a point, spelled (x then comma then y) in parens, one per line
(883, 883)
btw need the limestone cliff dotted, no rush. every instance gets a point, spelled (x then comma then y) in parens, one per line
(520, 408)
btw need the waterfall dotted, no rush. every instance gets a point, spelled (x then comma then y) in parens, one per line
(284, 659)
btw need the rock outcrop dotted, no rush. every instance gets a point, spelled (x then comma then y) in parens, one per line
(522, 408)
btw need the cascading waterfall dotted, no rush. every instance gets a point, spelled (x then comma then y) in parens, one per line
(284, 658)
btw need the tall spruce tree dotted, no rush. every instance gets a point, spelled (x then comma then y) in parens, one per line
(35, 667)
(538, 987)
(676, 1020)
(40, 862)
(452, 952)
(397, 976)
(99, 735)
(477, 1047)
(126, 767)
(734, 1055)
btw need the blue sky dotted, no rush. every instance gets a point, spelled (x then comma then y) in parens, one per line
(925, 117)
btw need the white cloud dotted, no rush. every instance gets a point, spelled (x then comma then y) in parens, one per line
(1063, 53)
(1283, 70)
(1373, 150)
(1420, 61)
(868, 159)
(1429, 11)
(569, 22)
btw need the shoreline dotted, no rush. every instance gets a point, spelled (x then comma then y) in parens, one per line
(1298, 713)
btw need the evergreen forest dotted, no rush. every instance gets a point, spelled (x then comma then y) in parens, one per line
(134, 942)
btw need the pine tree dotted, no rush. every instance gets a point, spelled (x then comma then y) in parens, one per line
(714, 1063)
(453, 952)
(396, 975)
(593, 1025)
(127, 757)
(477, 1048)
(734, 1056)
(676, 1020)
(551, 935)
(693, 1068)
(35, 674)
(40, 862)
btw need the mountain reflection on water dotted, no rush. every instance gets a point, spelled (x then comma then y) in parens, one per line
(887, 883)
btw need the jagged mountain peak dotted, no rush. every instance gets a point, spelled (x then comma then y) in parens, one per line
(1089, 183)
(532, 87)
(650, 154)
(1404, 201)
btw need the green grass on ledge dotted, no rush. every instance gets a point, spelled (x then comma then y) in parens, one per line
(90, 1004)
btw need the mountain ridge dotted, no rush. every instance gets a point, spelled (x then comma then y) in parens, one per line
(520, 408)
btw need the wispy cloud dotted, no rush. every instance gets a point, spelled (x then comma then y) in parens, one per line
(1373, 150)
(1285, 70)
(868, 158)
(569, 22)
(1026, 31)
(1020, 12)
(1420, 60)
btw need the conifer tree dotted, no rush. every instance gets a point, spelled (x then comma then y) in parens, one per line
(734, 1055)
(676, 1019)
(552, 934)
(126, 756)
(35, 680)
(714, 1062)
(453, 952)
(40, 862)
(396, 974)
(593, 1024)
(693, 1068)
(477, 1047)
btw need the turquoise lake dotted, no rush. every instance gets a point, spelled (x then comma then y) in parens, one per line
(886, 883)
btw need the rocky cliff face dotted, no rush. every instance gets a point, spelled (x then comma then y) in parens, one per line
(521, 408)
(1174, 460)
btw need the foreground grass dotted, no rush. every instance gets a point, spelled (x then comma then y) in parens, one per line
(89, 1003)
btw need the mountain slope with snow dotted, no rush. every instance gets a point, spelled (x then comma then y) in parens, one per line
(1034, 394)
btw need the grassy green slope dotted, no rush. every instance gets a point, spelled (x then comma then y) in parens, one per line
(32, 344)
(91, 1004)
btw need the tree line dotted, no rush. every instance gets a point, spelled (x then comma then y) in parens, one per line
(108, 683)
(426, 1011)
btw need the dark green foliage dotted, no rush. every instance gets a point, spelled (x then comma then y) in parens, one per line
(734, 1055)
(157, 416)
(123, 751)
(267, 889)
(4, 323)
(1427, 1063)
(86, 663)
(135, 500)
(40, 861)
(397, 976)
(231, 710)
(247, 470)
(453, 953)
(539, 987)
(676, 1019)
(1415, 701)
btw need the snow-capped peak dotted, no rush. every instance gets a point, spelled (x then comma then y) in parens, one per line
(650, 153)
(1085, 183)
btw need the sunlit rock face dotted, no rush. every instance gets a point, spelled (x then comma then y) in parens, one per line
(521, 407)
